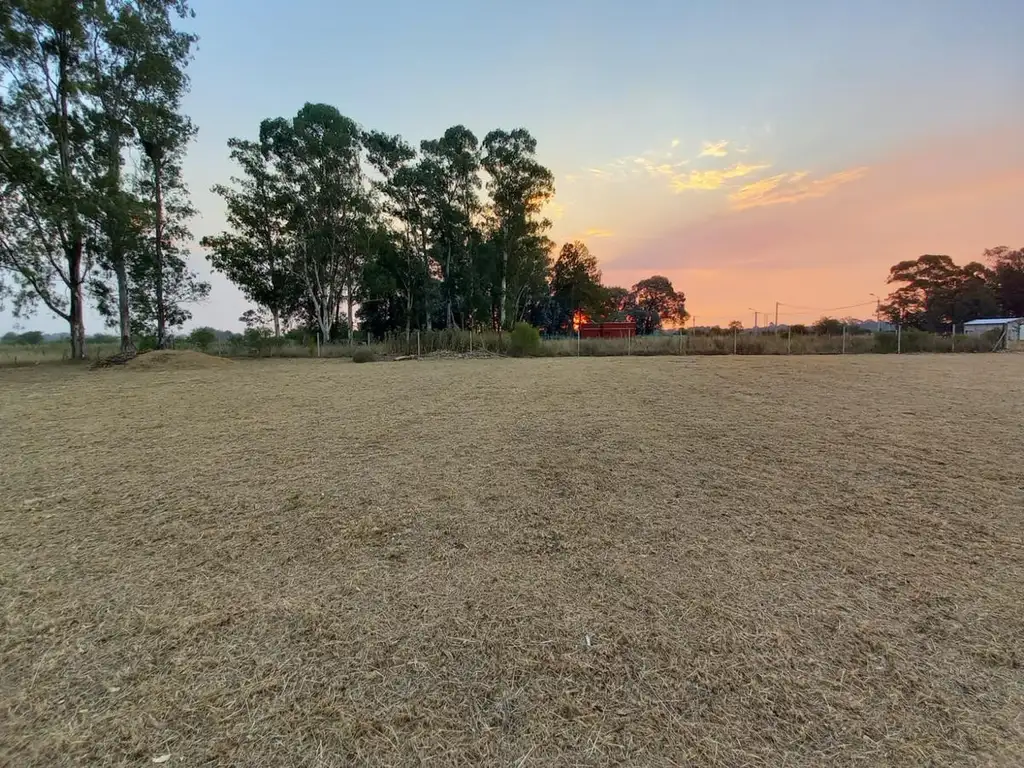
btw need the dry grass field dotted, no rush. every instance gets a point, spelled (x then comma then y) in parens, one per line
(728, 561)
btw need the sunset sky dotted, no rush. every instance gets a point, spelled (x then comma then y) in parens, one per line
(752, 152)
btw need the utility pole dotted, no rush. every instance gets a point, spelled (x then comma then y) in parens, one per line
(776, 317)
(756, 313)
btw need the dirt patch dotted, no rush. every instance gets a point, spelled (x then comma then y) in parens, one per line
(175, 360)
(704, 562)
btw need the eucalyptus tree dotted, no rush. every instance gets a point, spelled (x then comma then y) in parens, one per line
(256, 254)
(519, 187)
(318, 157)
(47, 163)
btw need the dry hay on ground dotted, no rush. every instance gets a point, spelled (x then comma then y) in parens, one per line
(175, 360)
(657, 561)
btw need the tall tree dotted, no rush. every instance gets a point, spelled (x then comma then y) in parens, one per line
(451, 168)
(47, 166)
(653, 301)
(403, 266)
(1008, 269)
(576, 283)
(160, 280)
(318, 155)
(256, 255)
(138, 59)
(519, 187)
(935, 293)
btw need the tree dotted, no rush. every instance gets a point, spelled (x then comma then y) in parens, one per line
(1008, 270)
(735, 326)
(653, 301)
(46, 161)
(30, 338)
(318, 156)
(576, 284)
(256, 255)
(611, 305)
(203, 337)
(137, 71)
(519, 188)
(398, 270)
(450, 172)
(828, 326)
(935, 293)
(161, 282)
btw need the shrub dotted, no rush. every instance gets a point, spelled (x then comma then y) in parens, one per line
(364, 355)
(524, 340)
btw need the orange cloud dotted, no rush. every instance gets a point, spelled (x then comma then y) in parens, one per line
(593, 232)
(714, 149)
(791, 188)
(713, 179)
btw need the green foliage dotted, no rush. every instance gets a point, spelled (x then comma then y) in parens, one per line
(202, 337)
(575, 286)
(29, 338)
(255, 255)
(524, 340)
(364, 355)
(653, 301)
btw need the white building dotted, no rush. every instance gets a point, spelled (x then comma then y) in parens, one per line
(1014, 327)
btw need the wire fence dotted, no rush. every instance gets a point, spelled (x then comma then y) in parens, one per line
(490, 343)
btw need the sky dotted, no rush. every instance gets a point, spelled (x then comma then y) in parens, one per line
(753, 153)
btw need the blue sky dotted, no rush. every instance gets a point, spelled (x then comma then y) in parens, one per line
(811, 97)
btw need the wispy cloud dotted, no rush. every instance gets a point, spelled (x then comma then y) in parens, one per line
(714, 149)
(554, 210)
(791, 188)
(595, 232)
(599, 172)
(713, 179)
(675, 143)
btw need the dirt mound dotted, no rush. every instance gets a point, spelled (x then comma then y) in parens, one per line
(175, 360)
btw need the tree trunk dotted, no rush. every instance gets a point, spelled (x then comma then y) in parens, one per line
(76, 311)
(351, 316)
(277, 322)
(504, 287)
(123, 309)
(158, 256)
(449, 319)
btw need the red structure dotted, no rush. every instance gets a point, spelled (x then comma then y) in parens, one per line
(607, 330)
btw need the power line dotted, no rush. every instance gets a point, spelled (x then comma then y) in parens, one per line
(826, 309)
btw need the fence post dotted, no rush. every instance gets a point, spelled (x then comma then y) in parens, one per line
(844, 339)
(735, 335)
(789, 341)
(318, 344)
(417, 342)
(899, 339)
(579, 332)
(629, 343)
(952, 339)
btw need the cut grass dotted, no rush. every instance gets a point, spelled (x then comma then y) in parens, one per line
(660, 561)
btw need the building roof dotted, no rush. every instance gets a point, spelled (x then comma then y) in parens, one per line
(994, 321)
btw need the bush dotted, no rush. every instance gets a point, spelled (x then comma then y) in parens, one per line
(524, 340)
(364, 355)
